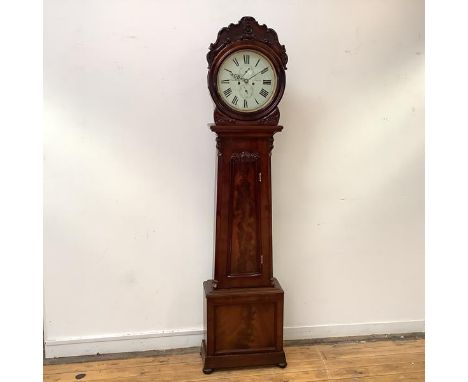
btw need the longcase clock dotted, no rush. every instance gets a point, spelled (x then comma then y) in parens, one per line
(243, 305)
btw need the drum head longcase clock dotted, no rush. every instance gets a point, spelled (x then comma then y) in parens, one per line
(243, 304)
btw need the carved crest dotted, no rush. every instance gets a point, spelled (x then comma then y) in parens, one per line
(245, 156)
(247, 29)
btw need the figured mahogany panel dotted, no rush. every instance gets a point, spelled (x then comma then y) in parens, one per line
(244, 254)
(245, 327)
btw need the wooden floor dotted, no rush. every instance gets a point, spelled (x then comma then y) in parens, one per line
(377, 361)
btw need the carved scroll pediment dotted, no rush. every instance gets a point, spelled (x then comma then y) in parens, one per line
(247, 29)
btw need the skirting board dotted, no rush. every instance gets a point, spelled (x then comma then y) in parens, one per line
(184, 338)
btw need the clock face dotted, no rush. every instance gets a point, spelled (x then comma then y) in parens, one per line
(246, 81)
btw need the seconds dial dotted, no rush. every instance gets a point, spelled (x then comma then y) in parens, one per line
(246, 81)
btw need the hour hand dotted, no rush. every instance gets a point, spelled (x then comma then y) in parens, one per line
(232, 74)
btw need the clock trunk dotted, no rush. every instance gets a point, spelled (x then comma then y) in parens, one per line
(243, 248)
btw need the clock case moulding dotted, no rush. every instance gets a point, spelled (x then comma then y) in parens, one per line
(243, 304)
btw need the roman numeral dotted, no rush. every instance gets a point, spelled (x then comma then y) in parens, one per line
(264, 70)
(227, 81)
(235, 61)
(264, 93)
(266, 82)
(257, 62)
(234, 100)
(245, 104)
(246, 58)
(227, 92)
(256, 101)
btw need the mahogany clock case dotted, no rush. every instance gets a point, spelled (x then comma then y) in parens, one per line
(243, 304)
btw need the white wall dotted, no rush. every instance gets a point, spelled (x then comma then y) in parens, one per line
(129, 169)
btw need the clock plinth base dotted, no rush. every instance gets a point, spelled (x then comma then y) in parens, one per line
(211, 363)
(243, 327)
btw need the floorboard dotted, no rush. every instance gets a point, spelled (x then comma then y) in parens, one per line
(376, 361)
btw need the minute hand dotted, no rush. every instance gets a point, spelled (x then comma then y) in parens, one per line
(248, 79)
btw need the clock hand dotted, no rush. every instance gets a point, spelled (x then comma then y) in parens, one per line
(252, 76)
(235, 76)
(245, 79)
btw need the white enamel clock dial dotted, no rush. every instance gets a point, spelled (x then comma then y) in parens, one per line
(246, 81)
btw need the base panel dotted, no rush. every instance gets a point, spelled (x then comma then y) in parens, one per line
(243, 327)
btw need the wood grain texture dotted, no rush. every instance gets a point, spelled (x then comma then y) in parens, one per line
(243, 306)
(381, 361)
(243, 243)
(244, 215)
(244, 326)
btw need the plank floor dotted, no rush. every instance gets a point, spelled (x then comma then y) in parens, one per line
(376, 361)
